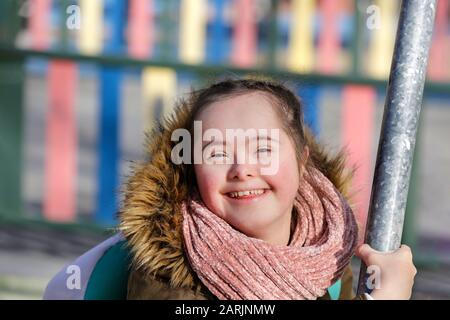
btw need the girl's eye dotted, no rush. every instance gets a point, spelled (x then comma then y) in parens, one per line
(264, 150)
(218, 155)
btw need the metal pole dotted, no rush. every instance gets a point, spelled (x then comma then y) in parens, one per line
(399, 128)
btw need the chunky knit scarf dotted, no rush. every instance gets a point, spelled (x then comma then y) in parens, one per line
(234, 266)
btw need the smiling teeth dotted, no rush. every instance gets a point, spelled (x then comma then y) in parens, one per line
(246, 193)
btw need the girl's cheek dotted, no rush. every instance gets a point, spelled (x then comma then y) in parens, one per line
(209, 179)
(287, 177)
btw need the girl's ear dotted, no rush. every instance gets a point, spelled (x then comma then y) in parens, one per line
(306, 154)
(304, 160)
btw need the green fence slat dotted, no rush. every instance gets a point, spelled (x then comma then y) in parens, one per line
(11, 128)
(9, 21)
(11, 113)
(273, 34)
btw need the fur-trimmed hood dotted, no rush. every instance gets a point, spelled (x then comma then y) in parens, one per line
(150, 216)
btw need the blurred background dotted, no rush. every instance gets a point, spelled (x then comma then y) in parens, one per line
(81, 82)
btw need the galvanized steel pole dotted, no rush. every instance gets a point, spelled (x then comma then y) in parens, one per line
(399, 128)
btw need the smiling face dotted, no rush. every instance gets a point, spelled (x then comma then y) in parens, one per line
(258, 205)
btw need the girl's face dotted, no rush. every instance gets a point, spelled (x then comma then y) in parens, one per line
(265, 214)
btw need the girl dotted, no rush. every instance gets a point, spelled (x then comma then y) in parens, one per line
(220, 225)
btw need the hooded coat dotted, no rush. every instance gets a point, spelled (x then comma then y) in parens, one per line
(151, 220)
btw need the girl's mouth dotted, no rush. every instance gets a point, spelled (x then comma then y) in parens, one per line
(247, 194)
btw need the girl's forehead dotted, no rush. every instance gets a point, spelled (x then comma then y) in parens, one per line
(250, 110)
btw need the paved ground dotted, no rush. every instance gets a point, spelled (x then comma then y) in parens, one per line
(29, 257)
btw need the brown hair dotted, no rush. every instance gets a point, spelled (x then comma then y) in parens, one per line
(287, 105)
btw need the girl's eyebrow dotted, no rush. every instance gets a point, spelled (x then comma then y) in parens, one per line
(212, 142)
(267, 138)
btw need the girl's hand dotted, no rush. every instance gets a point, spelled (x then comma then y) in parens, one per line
(397, 271)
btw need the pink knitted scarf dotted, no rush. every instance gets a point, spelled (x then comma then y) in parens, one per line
(234, 266)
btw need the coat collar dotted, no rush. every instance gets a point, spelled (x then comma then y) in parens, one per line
(150, 216)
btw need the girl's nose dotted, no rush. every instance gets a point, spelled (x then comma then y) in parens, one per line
(242, 171)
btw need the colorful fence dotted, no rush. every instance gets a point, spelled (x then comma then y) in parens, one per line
(313, 43)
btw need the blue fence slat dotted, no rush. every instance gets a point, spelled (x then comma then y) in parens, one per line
(108, 151)
(309, 95)
(218, 33)
(109, 125)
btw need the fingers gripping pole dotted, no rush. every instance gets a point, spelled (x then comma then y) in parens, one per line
(398, 130)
